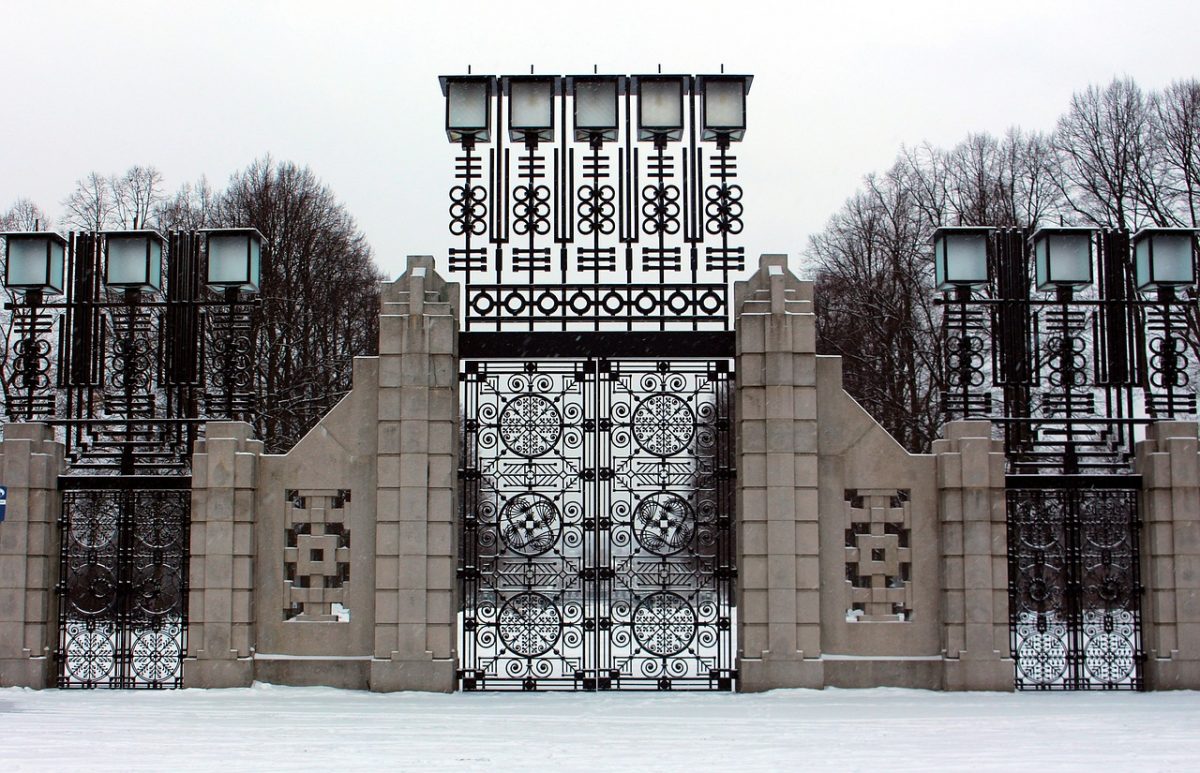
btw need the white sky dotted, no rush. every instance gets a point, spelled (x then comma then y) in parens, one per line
(350, 87)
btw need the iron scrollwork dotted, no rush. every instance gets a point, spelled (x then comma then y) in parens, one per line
(123, 597)
(597, 511)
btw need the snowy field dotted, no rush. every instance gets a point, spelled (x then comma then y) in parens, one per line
(268, 728)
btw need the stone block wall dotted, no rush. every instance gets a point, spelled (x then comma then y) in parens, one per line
(1169, 461)
(30, 462)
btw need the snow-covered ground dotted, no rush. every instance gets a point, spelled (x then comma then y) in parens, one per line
(268, 728)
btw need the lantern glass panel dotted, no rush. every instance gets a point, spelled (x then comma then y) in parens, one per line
(724, 104)
(1172, 258)
(27, 263)
(468, 105)
(233, 261)
(531, 105)
(134, 262)
(1063, 260)
(660, 104)
(596, 105)
(961, 260)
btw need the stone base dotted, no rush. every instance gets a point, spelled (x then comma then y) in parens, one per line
(758, 675)
(37, 673)
(313, 672)
(419, 675)
(1172, 674)
(218, 673)
(884, 672)
(978, 674)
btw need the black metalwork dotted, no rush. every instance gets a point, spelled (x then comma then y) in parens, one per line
(123, 595)
(127, 378)
(1074, 587)
(1073, 377)
(582, 234)
(597, 505)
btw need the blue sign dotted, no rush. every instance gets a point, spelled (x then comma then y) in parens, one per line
(3, 501)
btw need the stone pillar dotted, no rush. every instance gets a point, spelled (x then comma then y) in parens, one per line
(416, 596)
(221, 568)
(778, 589)
(30, 462)
(971, 507)
(1169, 462)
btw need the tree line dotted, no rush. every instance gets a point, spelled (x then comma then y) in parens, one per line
(319, 286)
(1119, 157)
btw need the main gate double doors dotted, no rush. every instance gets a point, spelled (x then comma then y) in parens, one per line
(597, 511)
(123, 595)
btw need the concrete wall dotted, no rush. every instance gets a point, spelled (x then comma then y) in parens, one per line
(860, 564)
(30, 462)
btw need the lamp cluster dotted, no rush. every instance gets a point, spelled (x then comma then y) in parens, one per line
(594, 98)
(36, 260)
(1164, 258)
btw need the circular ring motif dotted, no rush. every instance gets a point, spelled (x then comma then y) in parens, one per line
(663, 424)
(664, 523)
(664, 623)
(530, 425)
(529, 624)
(529, 524)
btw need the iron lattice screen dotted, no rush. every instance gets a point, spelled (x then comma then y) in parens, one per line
(597, 511)
(1074, 588)
(123, 599)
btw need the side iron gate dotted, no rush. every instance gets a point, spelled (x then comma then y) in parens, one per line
(123, 595)
(1074, 587)
(597, 549)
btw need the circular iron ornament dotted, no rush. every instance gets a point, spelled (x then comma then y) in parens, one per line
(156, 656)
(157, 590)
(530, 425)
(664, 624)
(529, 524)
(90, 652)
(92, 589)
(664, 523)
(1042, 656)
(1109, 655)
(663, 424)
(529, 624)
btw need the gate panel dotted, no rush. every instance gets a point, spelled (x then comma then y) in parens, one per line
(1074, 588)
(597, 517)
(123, 600)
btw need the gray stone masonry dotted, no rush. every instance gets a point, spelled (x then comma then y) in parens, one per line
(778, 590)
(970, 479)
(223, 547)
(1169, 461)
(416, 589)
(30, 462)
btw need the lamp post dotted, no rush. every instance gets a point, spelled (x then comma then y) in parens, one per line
(1165, 264)
(234, 266)
(34, 264)
(961, 265)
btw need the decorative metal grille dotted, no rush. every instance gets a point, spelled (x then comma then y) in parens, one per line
(598, 525)
(569, 233)
(1074, 588)
(123, 595)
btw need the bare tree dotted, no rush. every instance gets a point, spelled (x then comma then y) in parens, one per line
(135, 195)
(24, 215)
(320, 293)
(189, 208)
(90, 206)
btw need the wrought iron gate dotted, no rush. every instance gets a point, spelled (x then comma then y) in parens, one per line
(597, 506)
(1074, 588)
(123, 594)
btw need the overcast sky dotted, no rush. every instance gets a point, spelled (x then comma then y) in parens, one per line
(350, 87)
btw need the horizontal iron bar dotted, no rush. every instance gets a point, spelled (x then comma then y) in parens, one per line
(1130, 482)
(110, 482)
(664, 344)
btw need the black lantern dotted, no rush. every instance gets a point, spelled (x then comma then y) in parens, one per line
(1164, 257)
(723, 106)
(960, 257)
(34, 260)
(660, 106)
(468, 107)
(1063, 257)
(133, 260)
(530, 107)
(234, 258)
(596, 112)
